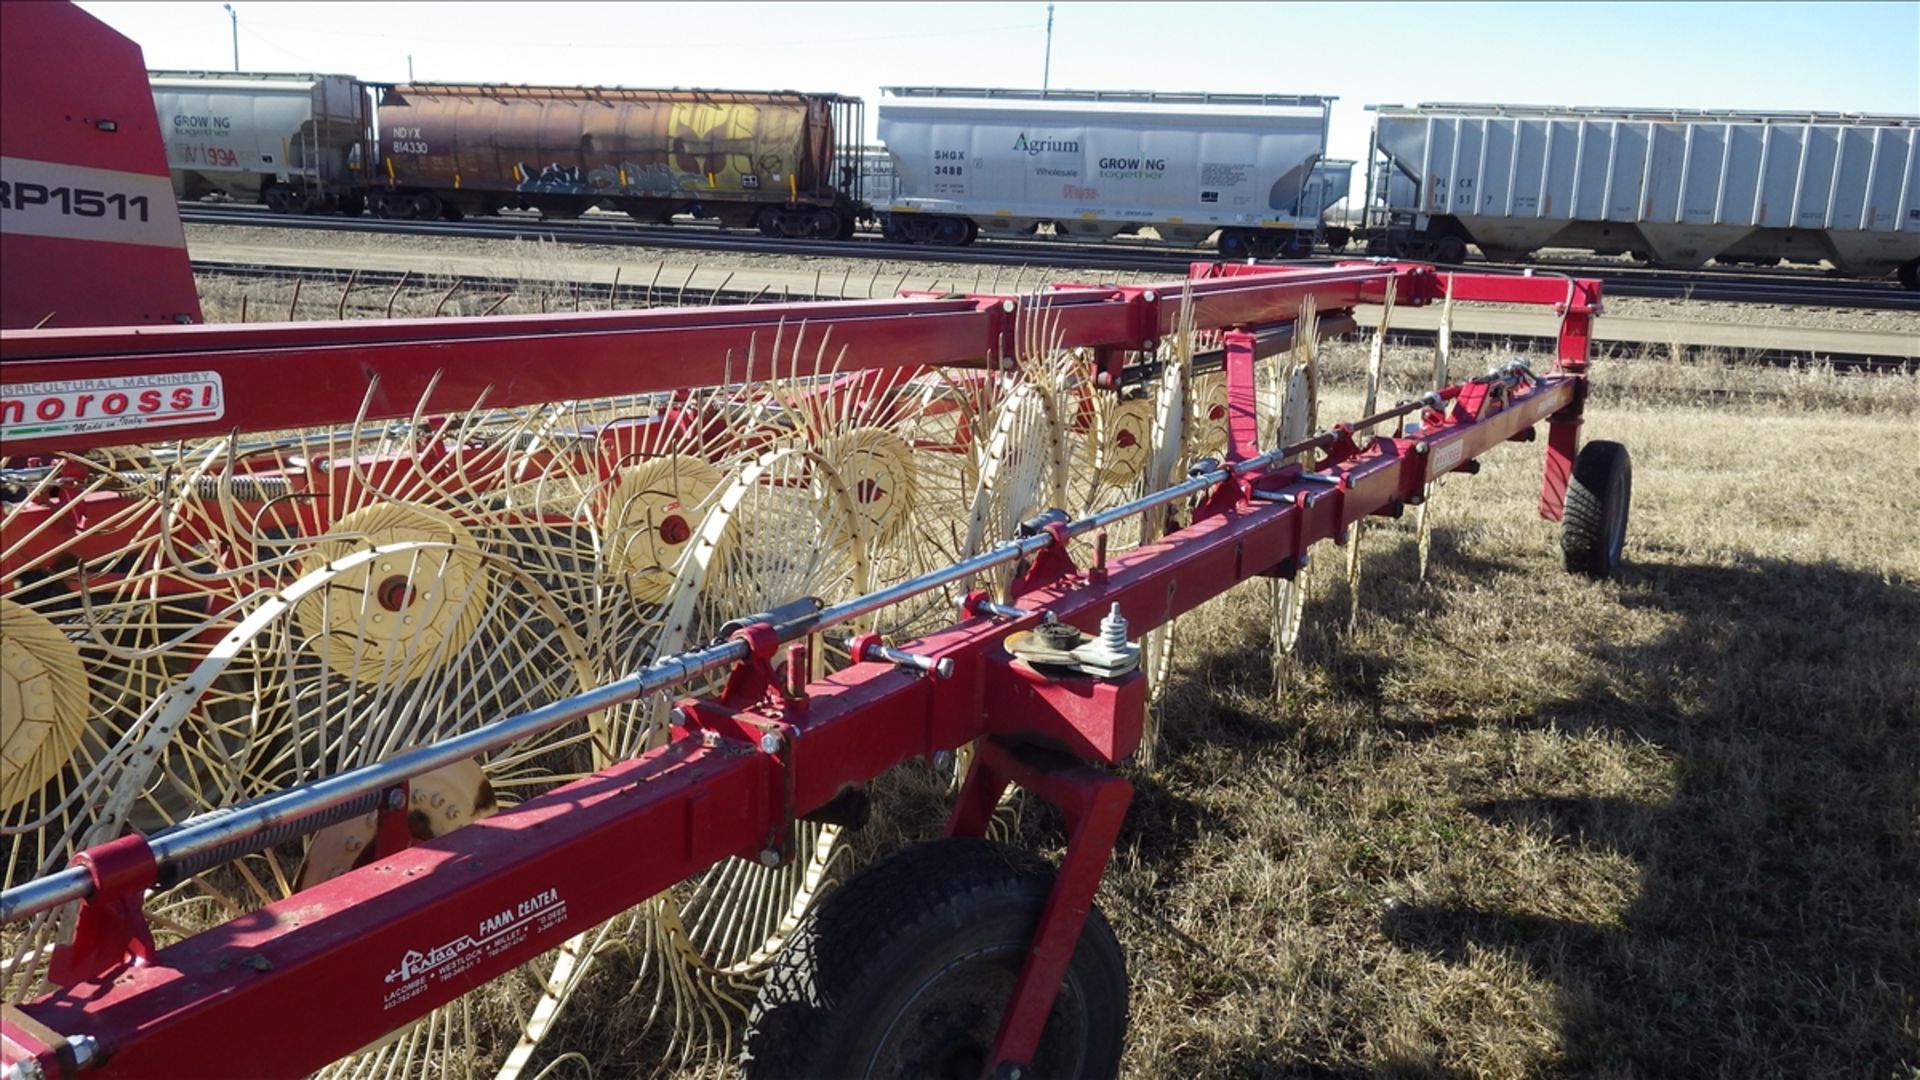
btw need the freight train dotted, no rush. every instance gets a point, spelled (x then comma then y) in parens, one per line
(1669, 187)
(786, 163)
(1247, 171)
(1250, 169)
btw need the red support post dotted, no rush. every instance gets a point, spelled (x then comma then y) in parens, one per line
(1243, 417)
(1094, 803)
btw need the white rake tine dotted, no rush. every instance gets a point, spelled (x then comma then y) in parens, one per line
(1375, 358)
(1442, 375)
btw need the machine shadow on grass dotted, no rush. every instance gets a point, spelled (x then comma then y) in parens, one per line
(1775, 932)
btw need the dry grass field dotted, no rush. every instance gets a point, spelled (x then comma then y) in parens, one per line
(1524, 825)
(1519, 824)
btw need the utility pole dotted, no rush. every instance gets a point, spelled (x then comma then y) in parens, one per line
(234, 17)
(1047, 72)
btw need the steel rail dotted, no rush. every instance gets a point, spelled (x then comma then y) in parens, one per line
(1705, 285)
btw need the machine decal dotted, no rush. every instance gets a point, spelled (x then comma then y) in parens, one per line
(134, 401)
(493, 935)
(1445, 458)
(42, 198)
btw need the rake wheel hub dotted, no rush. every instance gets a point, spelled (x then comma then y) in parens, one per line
(877, 467)
(404, 613)
(43, 702)
(647, 520)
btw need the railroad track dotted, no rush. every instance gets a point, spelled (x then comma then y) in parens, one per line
(682, 294)
(1706, 285)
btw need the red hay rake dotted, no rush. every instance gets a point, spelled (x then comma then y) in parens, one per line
(167, 905)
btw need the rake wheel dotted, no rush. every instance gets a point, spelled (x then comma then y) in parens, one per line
(784, 527)
(1022, 471)
(1376, 357)
(650, 520)
(43, 698)
(1293, 404)
(111, 593)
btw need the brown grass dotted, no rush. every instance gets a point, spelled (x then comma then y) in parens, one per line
(1524, 825)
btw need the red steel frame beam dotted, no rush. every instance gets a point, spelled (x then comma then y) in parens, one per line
(308, 375)
(418, 928)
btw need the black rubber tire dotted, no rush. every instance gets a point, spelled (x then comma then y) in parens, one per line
(1593, 531)
(858, 992)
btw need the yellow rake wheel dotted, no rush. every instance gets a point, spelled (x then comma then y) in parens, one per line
(396, 617)
(514, 650)
(43, 703)
(1113, 453)
(877, 466)
(1170, 450)
(113, 590)
(650, 520)
(1022, 471)
(785, 527)
(1207, 425)
(1294, 395)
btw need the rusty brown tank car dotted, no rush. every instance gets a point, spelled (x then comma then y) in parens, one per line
(784, 162)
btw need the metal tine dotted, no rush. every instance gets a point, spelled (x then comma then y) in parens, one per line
(1376, 356)
(1289, 595)
(1442, 351)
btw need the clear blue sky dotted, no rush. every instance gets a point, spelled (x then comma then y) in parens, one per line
(1853, 57)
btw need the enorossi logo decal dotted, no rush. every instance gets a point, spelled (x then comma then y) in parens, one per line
(1044, 145)
(72, 406)
(492, 936)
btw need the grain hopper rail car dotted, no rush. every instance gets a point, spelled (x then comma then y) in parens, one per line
(1670, 187)
(756, 735)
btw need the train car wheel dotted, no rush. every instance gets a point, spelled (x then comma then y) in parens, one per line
(952, 232)
(1450, 251)
(1910, 275)
(826, 225)
(279, 199)
(1233, 244)
(904, 971)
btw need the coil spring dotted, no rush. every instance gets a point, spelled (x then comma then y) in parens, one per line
(244, 487)
(177, 870)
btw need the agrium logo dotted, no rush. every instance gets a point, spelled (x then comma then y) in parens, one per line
(1044, 145)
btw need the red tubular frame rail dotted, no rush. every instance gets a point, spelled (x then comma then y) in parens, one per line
(416, 929)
